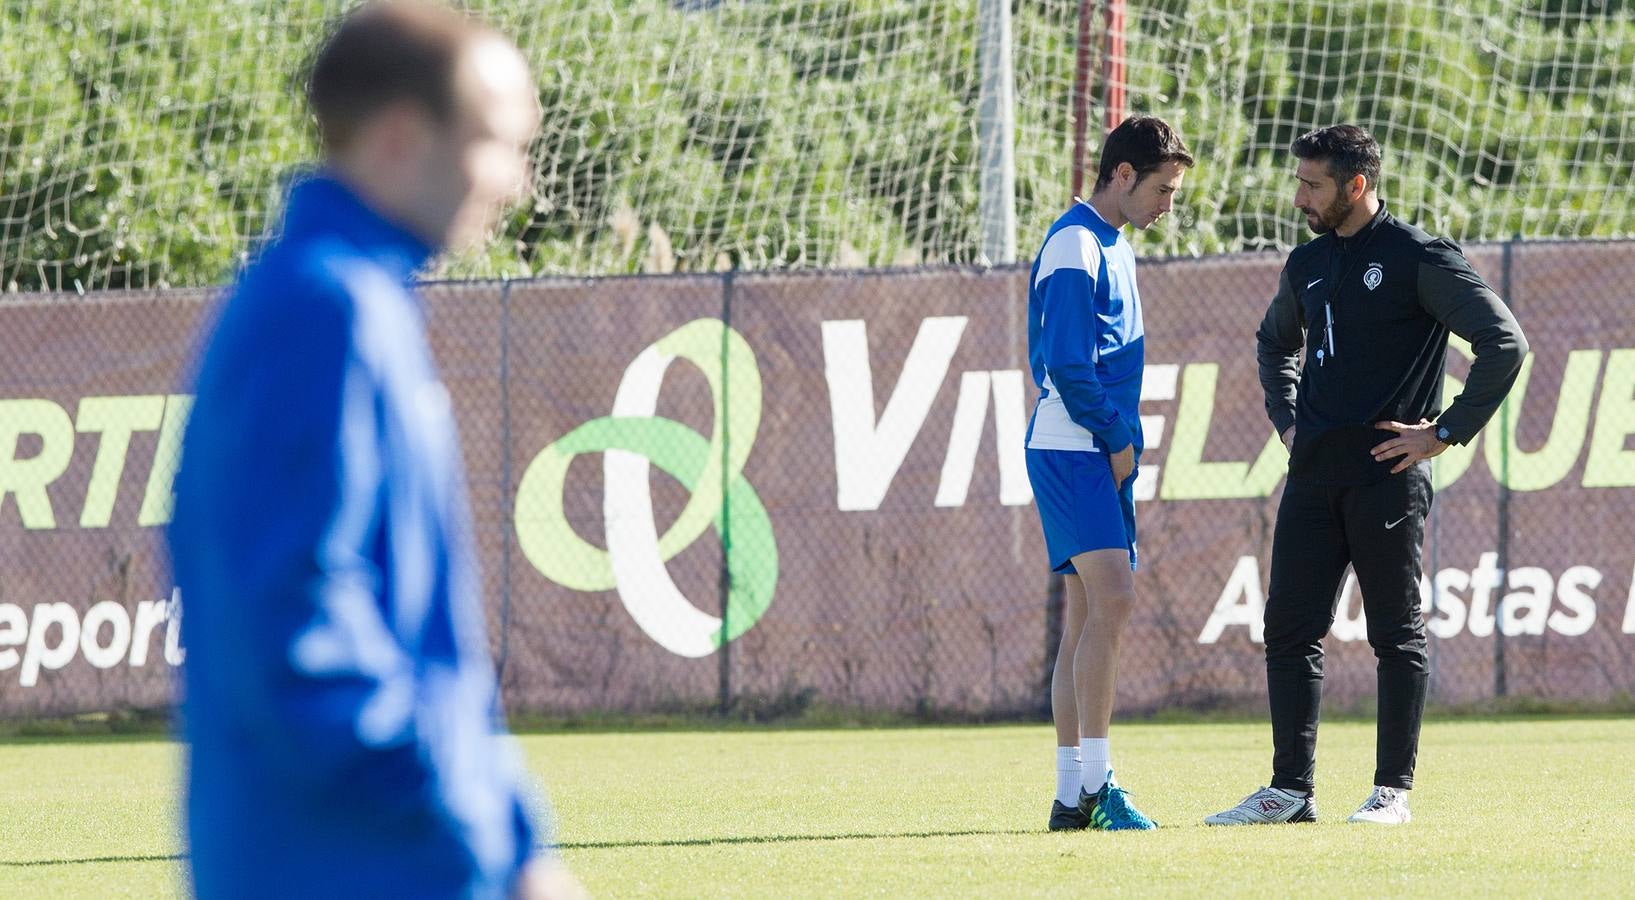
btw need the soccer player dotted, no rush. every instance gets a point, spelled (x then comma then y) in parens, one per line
(339, 700)
(1371, 301)
(1085, 343)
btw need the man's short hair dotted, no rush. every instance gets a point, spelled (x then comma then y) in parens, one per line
(1349, 151)
(381, 54)
(1146, 143)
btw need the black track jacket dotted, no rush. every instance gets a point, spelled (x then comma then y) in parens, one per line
(1372, 313)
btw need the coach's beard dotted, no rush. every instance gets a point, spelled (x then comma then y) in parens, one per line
(1331, 216)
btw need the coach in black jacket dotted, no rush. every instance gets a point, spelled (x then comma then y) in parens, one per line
(1371, 302)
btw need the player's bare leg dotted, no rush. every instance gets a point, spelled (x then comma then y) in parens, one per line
(1064, 708)
(1109, 601)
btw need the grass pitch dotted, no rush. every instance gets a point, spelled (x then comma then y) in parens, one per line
(1505, 807)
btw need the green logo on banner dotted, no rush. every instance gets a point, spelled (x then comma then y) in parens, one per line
(631, 439)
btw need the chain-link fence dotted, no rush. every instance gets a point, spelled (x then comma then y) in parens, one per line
(775, 490)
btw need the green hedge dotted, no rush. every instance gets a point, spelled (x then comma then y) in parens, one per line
(145, 143)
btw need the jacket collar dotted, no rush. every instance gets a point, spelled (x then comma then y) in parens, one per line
(321, 204)
(1364, 233)
(1098, 224)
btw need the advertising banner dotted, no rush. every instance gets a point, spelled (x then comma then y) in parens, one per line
(796, 488)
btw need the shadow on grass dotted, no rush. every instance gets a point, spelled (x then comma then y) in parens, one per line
(786, 839)
(598, 845)
(592, 845)
(89, 860)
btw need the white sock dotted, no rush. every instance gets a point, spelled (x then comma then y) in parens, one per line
(1069, 775)
(1097, 758)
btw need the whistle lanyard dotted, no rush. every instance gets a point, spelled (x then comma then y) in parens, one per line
(1327, 350)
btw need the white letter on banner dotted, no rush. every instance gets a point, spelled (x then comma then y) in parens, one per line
(1573, 592)
(969, 416)
(868, 453)
(175, 653)
(1449, 604)
(37, 654)
(150, 614)
(1483, 579)
(1010, 430)
(1629, 608)
(1241, 603)
(1527, 610)
(13, 628)
(105, 656)
(1010, 422)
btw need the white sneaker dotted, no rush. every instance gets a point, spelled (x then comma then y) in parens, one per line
(1386, 806)
(1267, 806)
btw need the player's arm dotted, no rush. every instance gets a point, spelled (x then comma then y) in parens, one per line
(1278, 341)
(1450, 290)
(1068, 340)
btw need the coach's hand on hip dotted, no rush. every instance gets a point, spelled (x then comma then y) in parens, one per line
(1413, 443)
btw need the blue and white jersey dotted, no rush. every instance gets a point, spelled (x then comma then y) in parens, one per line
(1085, 337)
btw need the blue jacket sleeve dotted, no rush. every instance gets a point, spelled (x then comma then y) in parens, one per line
(1068, 339)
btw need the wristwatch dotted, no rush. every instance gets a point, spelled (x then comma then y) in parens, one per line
(1444, 435)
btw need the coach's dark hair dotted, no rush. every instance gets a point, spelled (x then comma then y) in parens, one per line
(1348, 150)
(381, 54)
(1146, 143)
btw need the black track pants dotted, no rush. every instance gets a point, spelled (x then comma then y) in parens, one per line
(1377, 529)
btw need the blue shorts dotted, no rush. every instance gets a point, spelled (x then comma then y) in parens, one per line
(1079, 506)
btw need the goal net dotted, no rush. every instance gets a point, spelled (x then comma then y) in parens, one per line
(145, 143)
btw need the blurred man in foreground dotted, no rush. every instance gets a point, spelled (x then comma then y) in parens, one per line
(339, 695)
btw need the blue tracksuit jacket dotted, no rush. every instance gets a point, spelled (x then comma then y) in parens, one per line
(1086, 340)
(339, 699)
